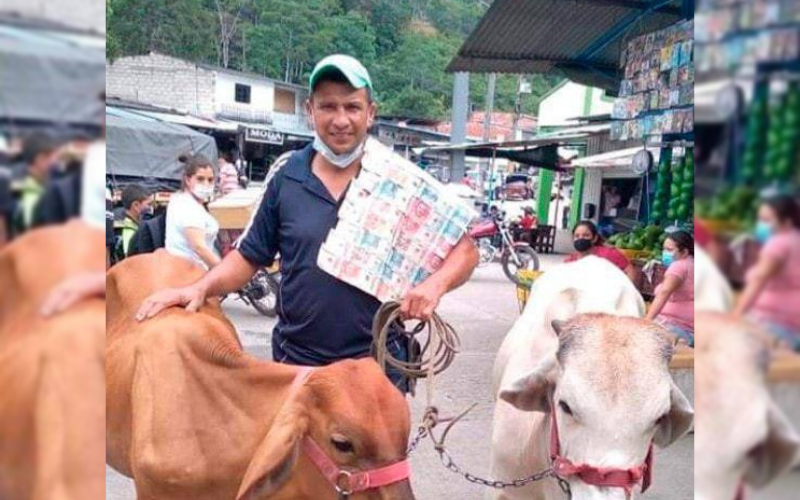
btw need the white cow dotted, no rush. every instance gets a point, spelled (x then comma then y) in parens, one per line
(581, 344)
(712, 292)
(741, 436)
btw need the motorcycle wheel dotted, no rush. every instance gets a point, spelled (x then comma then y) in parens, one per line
(527, 257)
(266, 300)
(486, 252)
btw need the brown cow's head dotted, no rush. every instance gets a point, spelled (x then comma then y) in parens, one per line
(354, 413)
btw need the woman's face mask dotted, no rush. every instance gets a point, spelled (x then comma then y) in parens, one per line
(201, 184)
(763, 231)
(582, 244)
(203, 192)
(667, 257)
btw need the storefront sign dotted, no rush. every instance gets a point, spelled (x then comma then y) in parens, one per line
(263, 136)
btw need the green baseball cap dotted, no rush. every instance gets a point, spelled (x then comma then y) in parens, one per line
(348, 66)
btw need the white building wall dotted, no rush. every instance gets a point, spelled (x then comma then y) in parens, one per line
(161, 80)
(569, 101)
(262, 93)
(592, 191)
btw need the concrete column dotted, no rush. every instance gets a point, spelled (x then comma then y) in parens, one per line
(458, 133)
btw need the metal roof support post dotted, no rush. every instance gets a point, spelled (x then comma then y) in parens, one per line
(491, 174)
(687, 9)
(458, 133)
(487, 122)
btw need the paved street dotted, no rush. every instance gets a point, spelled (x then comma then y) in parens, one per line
(482, 312)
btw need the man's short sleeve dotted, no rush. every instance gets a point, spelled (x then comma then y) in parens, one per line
(259, 243)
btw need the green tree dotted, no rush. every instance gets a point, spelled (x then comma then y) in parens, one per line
(182, 29)
(405, 44)
(416, 68)
(112, 43)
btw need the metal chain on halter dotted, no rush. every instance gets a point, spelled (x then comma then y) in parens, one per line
(451, 465)
(434, 357)
(427, 361)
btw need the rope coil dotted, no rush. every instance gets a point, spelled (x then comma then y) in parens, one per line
(435, 356)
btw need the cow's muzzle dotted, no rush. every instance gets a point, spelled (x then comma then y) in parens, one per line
(607, 477)
(347, 482)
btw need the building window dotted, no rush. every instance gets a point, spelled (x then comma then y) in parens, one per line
(243, 93)
(284, 101)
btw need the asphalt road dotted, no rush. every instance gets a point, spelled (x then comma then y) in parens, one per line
(482, 311)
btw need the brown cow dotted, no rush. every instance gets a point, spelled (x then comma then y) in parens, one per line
(52, 389)
(190, 415)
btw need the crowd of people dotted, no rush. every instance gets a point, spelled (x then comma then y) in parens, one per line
(673, 301)
(47, 180)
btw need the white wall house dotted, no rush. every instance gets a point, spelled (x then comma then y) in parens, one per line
(208, 91)
(242, 97)
(569, 100)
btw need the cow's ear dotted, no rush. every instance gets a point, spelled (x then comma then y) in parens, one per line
(677, 421)
(531, 392)
(562, 309)
(274, 459)
(776, 453)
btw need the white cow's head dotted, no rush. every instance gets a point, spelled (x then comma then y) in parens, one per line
(608, 385)
(741, 436)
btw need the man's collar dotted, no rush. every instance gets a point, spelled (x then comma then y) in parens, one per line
(298, 167)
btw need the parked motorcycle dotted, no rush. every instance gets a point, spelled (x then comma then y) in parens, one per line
(494, 240)
(261, 292)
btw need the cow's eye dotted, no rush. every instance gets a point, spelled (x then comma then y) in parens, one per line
(565, 407)
(342, 444)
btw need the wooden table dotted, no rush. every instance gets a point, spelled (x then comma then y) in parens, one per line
(233, 211)
(783, 379)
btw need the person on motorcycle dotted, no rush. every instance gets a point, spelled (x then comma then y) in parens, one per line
(321, 319)
(527, 224)
(587, 240)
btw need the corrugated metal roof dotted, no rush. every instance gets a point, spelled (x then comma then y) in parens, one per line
(566, 36)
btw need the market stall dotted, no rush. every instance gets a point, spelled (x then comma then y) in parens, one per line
(48, 83)
(749, 72)
(142, 148)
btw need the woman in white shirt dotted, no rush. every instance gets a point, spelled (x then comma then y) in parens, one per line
(190, 230)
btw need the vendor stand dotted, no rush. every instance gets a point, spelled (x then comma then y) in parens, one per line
(642, 53)
(144, 150)
(749, 115)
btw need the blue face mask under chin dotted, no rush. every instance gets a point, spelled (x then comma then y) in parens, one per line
(763, 231)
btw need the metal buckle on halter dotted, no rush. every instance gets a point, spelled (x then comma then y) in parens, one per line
(346, 490)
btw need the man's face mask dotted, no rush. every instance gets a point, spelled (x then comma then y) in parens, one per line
(343, 160)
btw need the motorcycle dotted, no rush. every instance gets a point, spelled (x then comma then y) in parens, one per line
(261, 292)
(494, 240)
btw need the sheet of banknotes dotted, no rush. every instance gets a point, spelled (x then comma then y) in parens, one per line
(396, 226)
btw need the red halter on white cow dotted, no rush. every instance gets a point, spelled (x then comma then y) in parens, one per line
(346, 482)
(608, 477)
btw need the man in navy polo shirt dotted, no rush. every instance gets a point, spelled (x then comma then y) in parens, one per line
(321, 319)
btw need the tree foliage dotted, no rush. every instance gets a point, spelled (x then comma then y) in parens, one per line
(405, 44)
